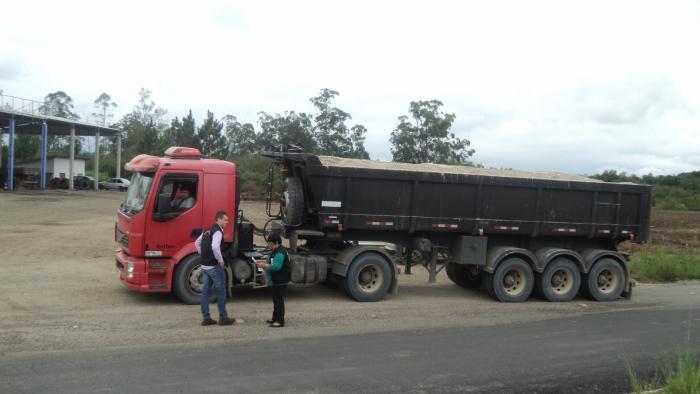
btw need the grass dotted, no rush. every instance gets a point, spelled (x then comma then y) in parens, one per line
(665, 265)
(683, 378)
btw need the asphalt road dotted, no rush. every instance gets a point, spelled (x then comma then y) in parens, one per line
(587, 354)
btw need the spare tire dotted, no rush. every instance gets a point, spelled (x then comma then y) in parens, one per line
(292, 201)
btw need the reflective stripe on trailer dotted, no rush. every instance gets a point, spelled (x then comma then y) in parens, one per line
(444, 225)
(506, 228)
(372, 223)
(564, 230)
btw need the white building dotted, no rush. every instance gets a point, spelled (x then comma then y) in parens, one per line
(55, 166)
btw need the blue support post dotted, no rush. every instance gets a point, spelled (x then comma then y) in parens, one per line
(11, 157)
(44, 145)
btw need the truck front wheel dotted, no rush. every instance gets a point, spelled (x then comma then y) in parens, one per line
(187, 281)
(369, 278)
(512, 281)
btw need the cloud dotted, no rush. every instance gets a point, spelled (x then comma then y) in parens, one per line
(10, 69)
(636, 125)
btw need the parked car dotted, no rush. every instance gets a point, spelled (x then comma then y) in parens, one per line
(120, 184)
(82, 182)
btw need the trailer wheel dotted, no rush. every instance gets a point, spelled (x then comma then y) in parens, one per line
(187, 281)
(513, 280)
(463, 276)
(605, 281)
(292, 201)
(369, 277)
(560, 281)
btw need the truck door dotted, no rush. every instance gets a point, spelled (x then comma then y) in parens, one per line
(181, 223)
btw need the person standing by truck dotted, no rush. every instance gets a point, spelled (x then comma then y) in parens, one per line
(208, 246)
(278, 270)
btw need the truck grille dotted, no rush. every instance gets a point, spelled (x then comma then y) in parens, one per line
(122, 239)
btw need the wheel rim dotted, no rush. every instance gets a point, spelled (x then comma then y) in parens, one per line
(195, 279)
(608, 281)
(370, 278)
(514, 281)
(562, 281)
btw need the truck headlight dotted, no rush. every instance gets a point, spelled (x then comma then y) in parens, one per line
(130, 267)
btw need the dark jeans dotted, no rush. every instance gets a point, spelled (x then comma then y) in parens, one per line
(278, 303)
(216, 277)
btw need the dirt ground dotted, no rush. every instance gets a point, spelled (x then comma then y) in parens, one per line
(61, 291)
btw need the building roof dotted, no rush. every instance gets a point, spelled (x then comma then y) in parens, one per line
(30, 123)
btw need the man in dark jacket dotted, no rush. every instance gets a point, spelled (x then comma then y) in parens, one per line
(209, 247)
(278, 270)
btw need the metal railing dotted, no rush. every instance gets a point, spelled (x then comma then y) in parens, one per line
(21, 105)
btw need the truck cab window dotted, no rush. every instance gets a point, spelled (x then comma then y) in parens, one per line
(182, 192)
(135, 198)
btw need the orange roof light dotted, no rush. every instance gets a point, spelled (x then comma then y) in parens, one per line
(182, 152)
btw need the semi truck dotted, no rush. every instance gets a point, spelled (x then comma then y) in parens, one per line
(354, 222)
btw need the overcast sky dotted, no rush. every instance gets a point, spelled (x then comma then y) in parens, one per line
(570, 86)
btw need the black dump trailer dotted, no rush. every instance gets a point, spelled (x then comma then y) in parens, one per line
(517, 233)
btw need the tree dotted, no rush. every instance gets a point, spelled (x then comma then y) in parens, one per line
(357, 136)
(103, 104)
(212, 141)
(147, 111)
(139, 137)
(241, 138)
(182, 133)
(290, 128)
(58, 104)
(143, 127)
(26, 147)
(333, 136)
(428, 139)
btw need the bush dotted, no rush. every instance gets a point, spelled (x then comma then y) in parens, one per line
(684, 378)
(665, 265)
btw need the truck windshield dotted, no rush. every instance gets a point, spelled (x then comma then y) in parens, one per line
(135, 199)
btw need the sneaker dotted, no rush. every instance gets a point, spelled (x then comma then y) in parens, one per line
(226, 321)
(208, 322)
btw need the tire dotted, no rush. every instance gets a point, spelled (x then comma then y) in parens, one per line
(122, 188)
(462, 276)
(187, 281)
(292, 201)
(488, 282)
(605, 281)
(369, 278)
(560, 281)
(513, 280)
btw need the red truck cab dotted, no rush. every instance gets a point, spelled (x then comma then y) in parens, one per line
(156, 232)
